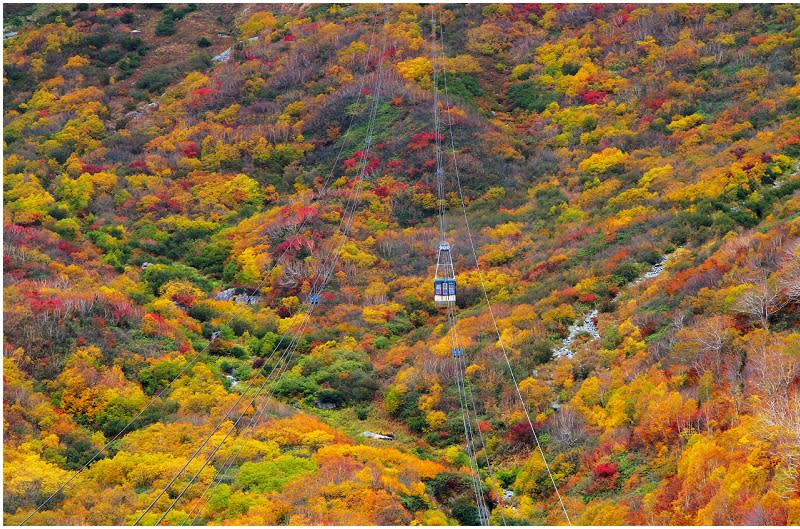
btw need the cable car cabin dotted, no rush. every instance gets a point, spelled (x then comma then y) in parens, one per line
(444, 292)
(458, 352)
(444, 280)
(314, 299)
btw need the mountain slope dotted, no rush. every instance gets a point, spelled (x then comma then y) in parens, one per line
(631, 182)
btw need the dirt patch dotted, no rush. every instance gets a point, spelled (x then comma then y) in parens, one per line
(214, 22)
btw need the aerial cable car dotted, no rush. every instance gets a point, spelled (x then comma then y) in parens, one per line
(314, 299)
(444, 281)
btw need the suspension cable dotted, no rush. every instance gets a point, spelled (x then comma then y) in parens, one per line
(465, 388)
(491, 311)
(258, 413)
(466, 416)
(436, 135)
(286, 358)
(324, 277)
(469, 393)
(199, 353)
(480, 501)
(206, 441)
(136, 417)
(241, 397)
(250, 385)
(254, 419)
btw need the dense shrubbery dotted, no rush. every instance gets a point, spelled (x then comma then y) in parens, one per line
(628, 173)
(158, 79)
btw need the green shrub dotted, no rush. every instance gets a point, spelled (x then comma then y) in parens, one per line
(116, 415)
(625, 273)
(96, 40)
(165, 26)
(267, 476)
(109, 56)
(530, 96)
(158, 375)
(157, 79)
(541, 352)
(68, 228)
(79, 450)
(53, 16)
(159, 274)
(200, 60)
(129, 63)
(59, 211)
(329, 396)
(417, 424)
(131, 43)
(413, 503)
(381, 342)
(462, 86)
(465, 512)
(294, 385)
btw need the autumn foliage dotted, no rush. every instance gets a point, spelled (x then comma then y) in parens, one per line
(177, 179)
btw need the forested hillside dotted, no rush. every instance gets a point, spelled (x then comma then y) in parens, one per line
(177, 177)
